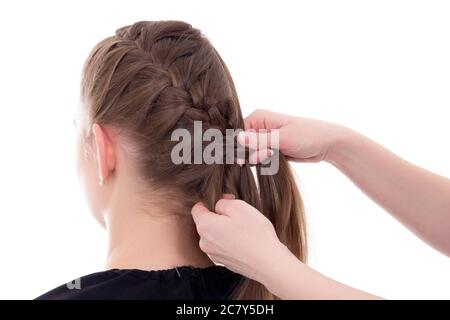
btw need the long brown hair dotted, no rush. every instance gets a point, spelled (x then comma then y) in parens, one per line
(153, 77)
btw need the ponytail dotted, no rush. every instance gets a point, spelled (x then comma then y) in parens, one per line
(283, 206)
(279, 200)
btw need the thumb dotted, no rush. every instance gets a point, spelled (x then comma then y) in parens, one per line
(204, 218)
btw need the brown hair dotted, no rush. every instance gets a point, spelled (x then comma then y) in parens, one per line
(153, 77)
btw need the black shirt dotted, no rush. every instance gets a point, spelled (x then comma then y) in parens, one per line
(215, 283)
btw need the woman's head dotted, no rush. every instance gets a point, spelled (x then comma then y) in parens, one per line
(148, 80)
(141, 84)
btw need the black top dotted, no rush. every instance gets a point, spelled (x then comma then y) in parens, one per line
(215, 283)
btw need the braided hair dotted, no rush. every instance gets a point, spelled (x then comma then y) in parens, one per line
(153, 77)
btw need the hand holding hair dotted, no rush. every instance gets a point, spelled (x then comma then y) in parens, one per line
(241, 238)
(300, 139)
(417, 198)
(233, 224)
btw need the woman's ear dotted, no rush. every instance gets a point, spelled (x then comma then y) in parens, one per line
(106, 153)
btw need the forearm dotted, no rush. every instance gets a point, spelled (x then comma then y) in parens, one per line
(288, 278)
(416, 197)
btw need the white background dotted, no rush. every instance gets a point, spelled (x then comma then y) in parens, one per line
(380, 67)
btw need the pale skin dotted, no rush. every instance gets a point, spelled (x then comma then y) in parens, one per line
(143, 232)
(241, 238)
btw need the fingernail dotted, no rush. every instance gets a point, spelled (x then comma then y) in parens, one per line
(253, 158)
(228, 196)
(201, 204)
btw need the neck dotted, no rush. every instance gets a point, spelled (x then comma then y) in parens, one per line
(151, 239)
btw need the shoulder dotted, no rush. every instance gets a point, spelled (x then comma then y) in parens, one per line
(122, 284)
(84, 287)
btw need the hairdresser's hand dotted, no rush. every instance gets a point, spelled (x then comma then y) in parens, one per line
(239, 237)
(300, 139)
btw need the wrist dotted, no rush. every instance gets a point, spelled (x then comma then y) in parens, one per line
(281, 261)
(341, 147)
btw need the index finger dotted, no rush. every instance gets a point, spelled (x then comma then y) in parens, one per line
(265, 119)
